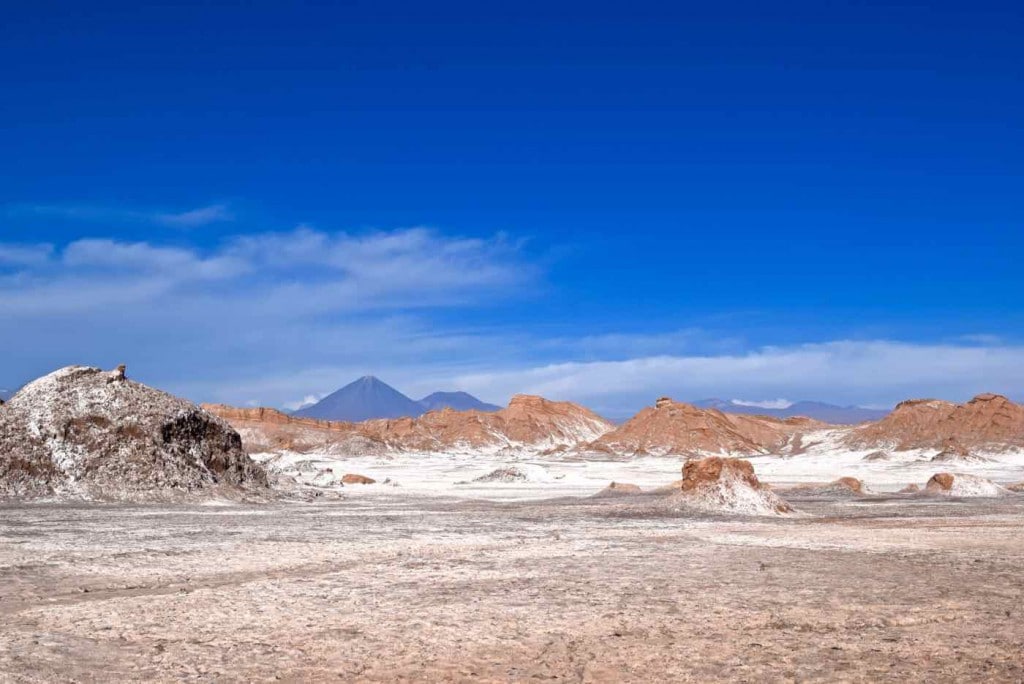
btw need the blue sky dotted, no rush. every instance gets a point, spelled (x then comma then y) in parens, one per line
(602, 202)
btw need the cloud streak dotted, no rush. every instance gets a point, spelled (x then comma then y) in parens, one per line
(278, 318)
(844, 371)
(272, 316)
(191, 218)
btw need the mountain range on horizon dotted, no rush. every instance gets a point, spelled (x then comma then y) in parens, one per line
(826, 413)
(369, 397)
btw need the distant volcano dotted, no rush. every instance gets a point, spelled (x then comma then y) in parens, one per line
(458, 401)
(368, 398)
(364, 399)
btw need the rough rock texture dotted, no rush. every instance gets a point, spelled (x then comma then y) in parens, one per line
(510, 474)
(81, 432)
(955, 452)
(528, 423)
(619, 489)
(843, 487)
(989, 421)
(673, 428)
(962, 485)
(353, 479)
(266, 430)
(878, 456)
(727, 485)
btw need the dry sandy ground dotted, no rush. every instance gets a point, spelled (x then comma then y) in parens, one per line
(392, 587)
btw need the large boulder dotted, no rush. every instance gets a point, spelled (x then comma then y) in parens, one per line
(962, 485)
(728, 485)
(354, 478)
(80, 432)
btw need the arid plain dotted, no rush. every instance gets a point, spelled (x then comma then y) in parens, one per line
(383, 586)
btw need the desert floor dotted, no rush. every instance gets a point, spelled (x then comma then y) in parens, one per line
(388, 586)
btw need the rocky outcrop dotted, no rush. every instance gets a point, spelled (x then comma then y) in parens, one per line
(81, 432)
(962, 485)
(265, 430)
(843, 487)
(509, 474)
(673, 428)
(877, 456)
(988, 422)
(955, 452)
(727, 485)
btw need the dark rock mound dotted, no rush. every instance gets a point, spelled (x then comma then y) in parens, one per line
(81, 432)
(509, 474)
(955, 452)
(877, 456)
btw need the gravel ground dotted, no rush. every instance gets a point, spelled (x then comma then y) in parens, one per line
(387, 587)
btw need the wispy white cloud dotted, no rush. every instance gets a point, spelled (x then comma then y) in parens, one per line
(271, 317)
(304, 272)
(766, 404)
(854, 372)
(190, 218)
(284, 318)
(307, 400)
(195, 218)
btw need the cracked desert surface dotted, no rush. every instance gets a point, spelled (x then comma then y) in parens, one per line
(388, 586)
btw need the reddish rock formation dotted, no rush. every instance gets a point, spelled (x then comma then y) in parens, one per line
(910, 489)
(616, 489)
(844, 486)
(528, 422)
(673, 428)
(955, 452)
(851, 483)
(962, 485)
(354, 479)
(989, 421)
(728, 485)
(943, 481)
